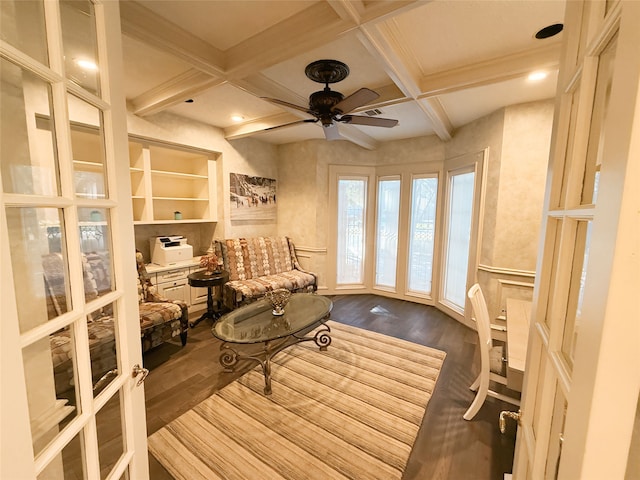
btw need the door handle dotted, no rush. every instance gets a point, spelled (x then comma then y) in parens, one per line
(502, 422)
(137, 370)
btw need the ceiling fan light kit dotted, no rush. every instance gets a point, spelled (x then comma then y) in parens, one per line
(329, 106)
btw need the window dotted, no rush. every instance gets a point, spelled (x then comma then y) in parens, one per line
(388, 214)
(458, 239)
(352, 200)
(424, 195)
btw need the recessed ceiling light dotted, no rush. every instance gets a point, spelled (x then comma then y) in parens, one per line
(87, 64)
(237, 118)
(537, 76)
(549, 31)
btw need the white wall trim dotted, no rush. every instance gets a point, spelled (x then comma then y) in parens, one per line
(507, 271)
(317, 250)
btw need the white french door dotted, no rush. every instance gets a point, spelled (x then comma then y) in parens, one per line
(70, 329)
(582, 380)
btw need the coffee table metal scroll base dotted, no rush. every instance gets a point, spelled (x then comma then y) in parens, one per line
(229, 357)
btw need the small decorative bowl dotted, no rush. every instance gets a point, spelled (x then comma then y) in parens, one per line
(278, 299)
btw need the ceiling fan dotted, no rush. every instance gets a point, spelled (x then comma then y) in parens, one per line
(328, 106)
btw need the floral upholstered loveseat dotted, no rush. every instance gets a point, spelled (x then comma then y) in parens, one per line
(259, 264)
(160, 319)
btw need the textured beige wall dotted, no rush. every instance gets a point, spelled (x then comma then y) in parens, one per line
(523, 173)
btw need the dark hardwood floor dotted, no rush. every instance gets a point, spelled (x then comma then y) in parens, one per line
(447, 446)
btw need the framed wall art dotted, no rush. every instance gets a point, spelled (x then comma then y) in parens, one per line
(252, 198)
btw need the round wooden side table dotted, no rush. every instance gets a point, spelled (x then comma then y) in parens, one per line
(209, 280)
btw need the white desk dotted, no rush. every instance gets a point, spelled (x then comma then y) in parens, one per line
(518, 315)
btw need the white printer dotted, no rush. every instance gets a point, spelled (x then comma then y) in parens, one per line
(170, 249)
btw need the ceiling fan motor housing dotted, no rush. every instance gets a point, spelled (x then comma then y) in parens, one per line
(322, 103)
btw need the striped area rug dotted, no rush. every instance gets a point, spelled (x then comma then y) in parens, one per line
(352, 412)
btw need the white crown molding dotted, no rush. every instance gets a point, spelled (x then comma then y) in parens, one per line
(490, 71)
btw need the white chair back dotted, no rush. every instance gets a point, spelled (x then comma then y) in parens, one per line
(481, 314)
(485, 345)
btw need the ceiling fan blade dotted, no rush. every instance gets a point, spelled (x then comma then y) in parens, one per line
(331, 132)
(370, 121)
(355, 100)
(288, 105)
(298, 122)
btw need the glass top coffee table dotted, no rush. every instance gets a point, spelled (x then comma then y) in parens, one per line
(256, 324)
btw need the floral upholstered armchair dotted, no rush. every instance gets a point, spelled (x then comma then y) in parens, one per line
(160, 318)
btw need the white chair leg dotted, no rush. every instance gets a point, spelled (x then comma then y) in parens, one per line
(480, 397)
(474, 386)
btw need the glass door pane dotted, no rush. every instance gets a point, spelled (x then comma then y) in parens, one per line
(424, 195)
(576, 290)
(29, 157)
(88, 154)
(593, 161)
(388, 213)
(352, 198)
(80, 45)
(22, 26)
(458, 239)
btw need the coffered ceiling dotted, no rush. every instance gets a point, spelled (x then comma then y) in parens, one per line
(436, 65)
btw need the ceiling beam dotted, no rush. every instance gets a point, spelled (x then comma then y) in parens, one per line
(491, 71)
(141, 23)
(351, 133)
(311, 28)
(371, 12)
(262, 86)
(383, 42)
(348, 10)
(258, 126)
(308, 29)
(241, 65)
(174, 91)
(438, 117)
